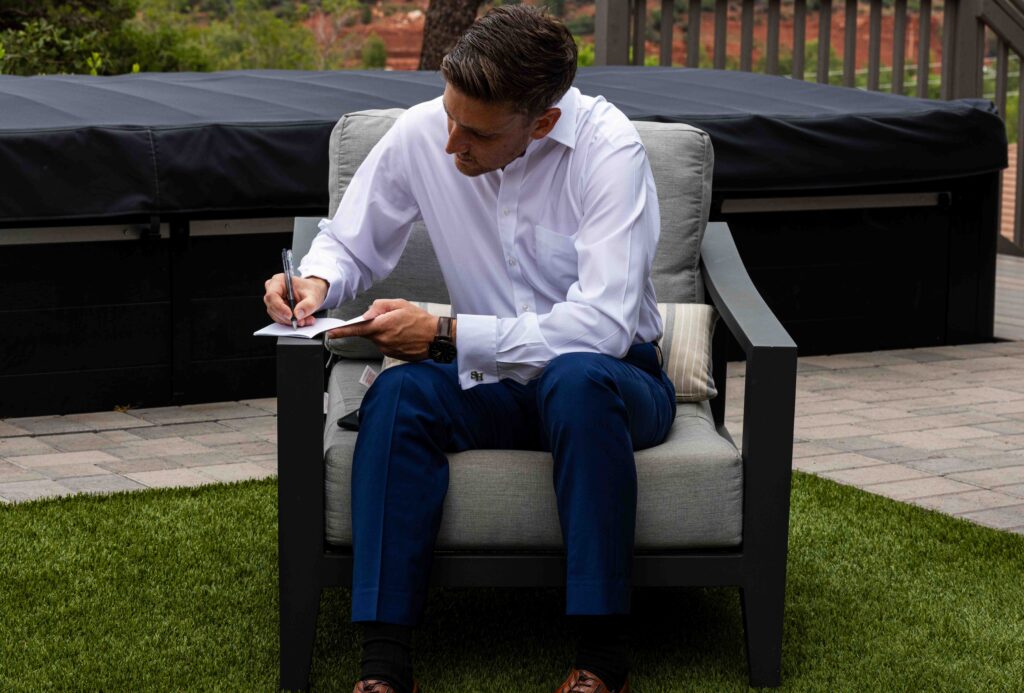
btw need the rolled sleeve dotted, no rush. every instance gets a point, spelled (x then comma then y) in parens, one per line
(476, 340)
(317, 266)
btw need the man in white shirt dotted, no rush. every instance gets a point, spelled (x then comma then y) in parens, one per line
(541, 207)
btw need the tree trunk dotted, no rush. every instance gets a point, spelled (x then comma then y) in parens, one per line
(446, 21)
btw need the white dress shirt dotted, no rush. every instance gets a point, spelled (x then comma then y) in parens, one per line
(550, 255)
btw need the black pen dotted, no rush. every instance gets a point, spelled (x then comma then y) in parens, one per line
(286, 260)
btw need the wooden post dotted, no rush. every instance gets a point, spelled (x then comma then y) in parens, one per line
(772, 52)
(963, 46)
(899, 44)
(874, 44)
(746, 35)
(611, 32)
(799, 29)
(693, 47)
(639, 31)
(924, 42)
(1002, 74)
(850, 44)
(1018, 207)
(721, 15)
(667, 23)
(824, 40)
(968, 45)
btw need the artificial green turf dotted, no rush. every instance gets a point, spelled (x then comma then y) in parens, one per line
(163, 590)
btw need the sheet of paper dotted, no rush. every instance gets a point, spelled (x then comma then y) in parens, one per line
(321, 325)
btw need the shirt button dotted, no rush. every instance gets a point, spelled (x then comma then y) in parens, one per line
(511, 262)
(526, 307)
(505, 211)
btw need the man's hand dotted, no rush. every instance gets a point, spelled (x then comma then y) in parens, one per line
(398, 328)
(309, 296)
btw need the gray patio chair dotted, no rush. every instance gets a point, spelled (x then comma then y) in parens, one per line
(708, 514)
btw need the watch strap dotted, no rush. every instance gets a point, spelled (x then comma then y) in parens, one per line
(444, 328)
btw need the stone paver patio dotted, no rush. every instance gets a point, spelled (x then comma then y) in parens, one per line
(939, 427)
(142, 448)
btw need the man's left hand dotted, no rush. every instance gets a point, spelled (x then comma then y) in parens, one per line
(399, 329)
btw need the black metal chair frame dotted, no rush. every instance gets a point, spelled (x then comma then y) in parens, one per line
(307, 564)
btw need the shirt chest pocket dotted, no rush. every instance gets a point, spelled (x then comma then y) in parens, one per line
(555, 257)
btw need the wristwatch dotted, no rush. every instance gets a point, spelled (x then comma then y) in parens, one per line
(442, 349)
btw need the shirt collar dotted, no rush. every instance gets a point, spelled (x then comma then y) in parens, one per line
(564, 131)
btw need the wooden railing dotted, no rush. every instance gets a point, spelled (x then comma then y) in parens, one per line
(975, 41)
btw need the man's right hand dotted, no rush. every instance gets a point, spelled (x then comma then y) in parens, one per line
(310, 293)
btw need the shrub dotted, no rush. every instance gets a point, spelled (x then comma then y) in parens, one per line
(54, 36)
(584, 53)
(580, 25)
(374, 53)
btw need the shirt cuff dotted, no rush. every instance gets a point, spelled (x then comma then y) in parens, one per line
(476, 340)
(333, 279)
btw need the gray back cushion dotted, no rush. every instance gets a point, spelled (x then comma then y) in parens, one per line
(682, 160)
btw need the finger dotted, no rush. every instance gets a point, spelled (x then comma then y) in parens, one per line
(384, 305)
(363, 329)
(309, 297)
(306, 307)
(275, 284)
(280, 315)
(278, 309)
(349, 331)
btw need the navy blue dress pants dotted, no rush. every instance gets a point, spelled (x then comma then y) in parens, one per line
(590, 411)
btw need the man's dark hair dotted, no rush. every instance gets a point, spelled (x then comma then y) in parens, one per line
(515, 55)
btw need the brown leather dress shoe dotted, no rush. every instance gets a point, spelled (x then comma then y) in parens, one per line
(377, 686)
(582, 681)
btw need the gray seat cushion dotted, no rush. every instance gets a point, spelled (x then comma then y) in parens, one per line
(690, 492)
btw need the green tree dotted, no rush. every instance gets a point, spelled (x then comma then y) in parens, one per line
(446, 20)
(51, 36)
(330, 24)
(166, 39)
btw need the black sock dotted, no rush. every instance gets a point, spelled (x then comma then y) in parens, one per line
(603, 648)
(387, 654)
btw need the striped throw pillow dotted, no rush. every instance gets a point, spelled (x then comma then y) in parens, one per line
(686, 349)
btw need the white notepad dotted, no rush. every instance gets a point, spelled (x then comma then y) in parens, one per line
(309, 331)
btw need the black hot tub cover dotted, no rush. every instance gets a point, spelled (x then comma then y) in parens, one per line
(255, 142)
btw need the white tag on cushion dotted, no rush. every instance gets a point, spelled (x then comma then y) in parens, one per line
(686, 348)
(368, 376)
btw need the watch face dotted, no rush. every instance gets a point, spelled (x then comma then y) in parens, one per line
(442, 351)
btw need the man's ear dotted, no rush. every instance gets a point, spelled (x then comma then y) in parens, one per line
(545, 121)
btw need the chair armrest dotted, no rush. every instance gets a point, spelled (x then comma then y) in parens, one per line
(300, 453)
(769, 395)
(738, 302)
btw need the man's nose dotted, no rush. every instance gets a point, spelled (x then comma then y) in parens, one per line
(457, 142)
